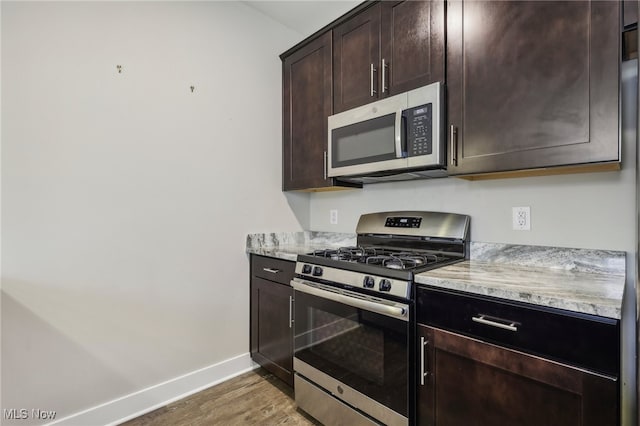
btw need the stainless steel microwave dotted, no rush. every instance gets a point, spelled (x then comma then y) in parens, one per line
(395, 135)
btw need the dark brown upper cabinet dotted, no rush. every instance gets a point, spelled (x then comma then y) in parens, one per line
(306, 104)
(532, 84)
(386, 49)
(412, 44)
(356, 58)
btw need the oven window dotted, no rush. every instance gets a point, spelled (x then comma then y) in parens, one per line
(363, 350)
(350, 344)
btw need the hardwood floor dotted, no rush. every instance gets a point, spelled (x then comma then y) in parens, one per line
(254, 398)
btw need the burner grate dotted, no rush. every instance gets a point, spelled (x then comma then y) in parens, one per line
(391, 259)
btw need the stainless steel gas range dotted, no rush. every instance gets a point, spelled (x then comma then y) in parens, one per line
(354, 319)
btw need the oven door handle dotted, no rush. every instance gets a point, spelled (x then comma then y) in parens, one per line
(379, 308)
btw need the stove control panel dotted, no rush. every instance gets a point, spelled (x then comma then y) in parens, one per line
(403, 222)
(355, 280)
(307, 269)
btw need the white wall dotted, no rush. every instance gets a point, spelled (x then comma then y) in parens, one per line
(594, 210)
(126, 198)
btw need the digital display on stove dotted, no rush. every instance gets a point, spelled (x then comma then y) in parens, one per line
(403, 222)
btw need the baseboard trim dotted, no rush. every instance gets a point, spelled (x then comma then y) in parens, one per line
(143, 401)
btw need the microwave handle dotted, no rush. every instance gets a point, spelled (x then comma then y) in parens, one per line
(398, 134)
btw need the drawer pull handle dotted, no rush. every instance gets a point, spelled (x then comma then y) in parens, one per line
(511, 326)
(273, 271)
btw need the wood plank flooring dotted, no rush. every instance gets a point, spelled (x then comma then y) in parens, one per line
(254, 398)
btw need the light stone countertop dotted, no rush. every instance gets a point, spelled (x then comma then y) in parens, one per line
(580, 280)
(585, 292)
(288, 245)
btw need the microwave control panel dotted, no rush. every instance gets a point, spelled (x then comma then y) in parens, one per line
(419, 122)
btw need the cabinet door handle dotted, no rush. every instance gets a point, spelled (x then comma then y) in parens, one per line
(508, 325)
(384, 81)
(326, 160)
(373, 70)
(423, 373)
(273, 271)
(454, 145)
(290, 311)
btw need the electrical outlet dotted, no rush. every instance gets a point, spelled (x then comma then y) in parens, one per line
(333, 217)
(522, 218)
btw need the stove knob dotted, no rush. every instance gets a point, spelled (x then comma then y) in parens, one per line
(306, 269)
(368, 282)
(385, 285)
(317, 271)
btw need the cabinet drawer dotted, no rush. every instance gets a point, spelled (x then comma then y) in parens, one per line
(272, 269)
(582, 340)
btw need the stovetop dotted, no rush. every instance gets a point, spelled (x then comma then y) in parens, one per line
(386, 274)
(391, 247)
(398, 259)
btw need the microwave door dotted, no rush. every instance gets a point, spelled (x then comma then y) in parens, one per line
(369, 146)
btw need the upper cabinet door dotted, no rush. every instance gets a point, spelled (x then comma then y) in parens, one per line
(306, 106)
(356, 57)
(532, 84)
(412, 45)
(389, 48)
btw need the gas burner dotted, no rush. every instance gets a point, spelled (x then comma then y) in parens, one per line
(353, 253)
(328, 253)
(349, 253)
(402, 260)
(342, 253)
(398, 260)
(417, 259)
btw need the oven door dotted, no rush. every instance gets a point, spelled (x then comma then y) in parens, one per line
(355, 348)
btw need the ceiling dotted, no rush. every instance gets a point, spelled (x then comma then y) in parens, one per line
(304, 16)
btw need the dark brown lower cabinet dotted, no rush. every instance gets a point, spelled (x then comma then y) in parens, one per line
(470, 382)
(271, 316)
